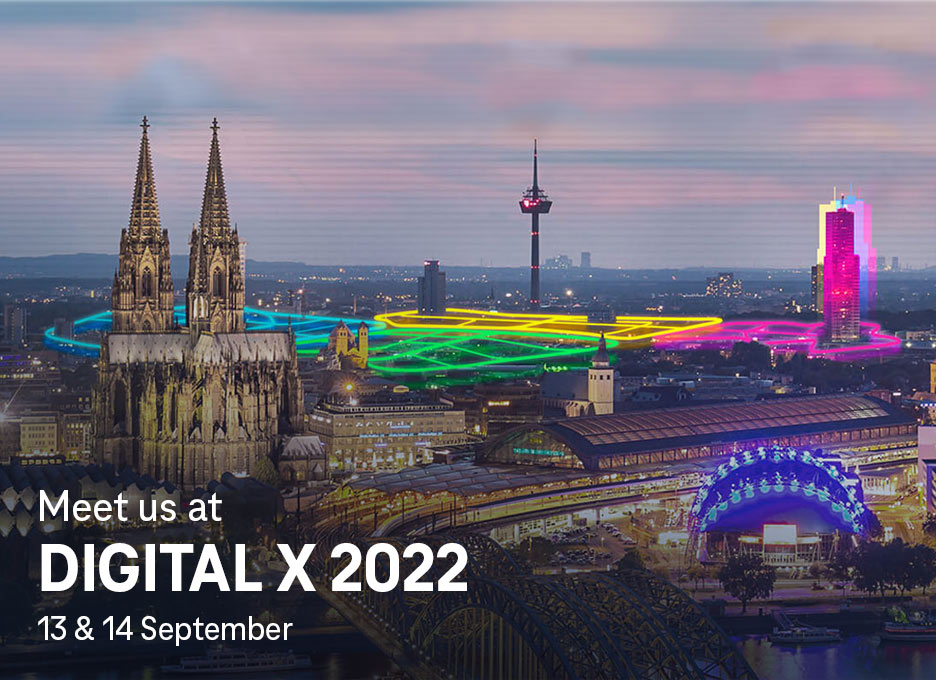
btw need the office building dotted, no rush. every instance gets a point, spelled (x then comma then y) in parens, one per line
(868, 260)
(586, 260)
(39, 434)
(841, 278)
(926, 465)
(815, 287)
(384, 431)
(432, 289)
(494, 407)
(14, 326)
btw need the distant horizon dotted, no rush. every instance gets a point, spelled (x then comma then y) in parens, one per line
(670, 135)
(455, 265)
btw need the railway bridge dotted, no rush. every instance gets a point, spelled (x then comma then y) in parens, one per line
(511, 623)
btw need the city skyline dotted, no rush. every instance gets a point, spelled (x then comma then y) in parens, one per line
(407, 130)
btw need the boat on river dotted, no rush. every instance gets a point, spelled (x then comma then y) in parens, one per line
(230, 661)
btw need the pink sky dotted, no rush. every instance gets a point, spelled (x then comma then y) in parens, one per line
(670, 135)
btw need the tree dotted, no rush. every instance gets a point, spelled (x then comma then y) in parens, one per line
(929, 525)
(752, 355)
(631, 560)
(922, 566)
(815, 572)
(897, 566)
(265, 472)
(839, 567)
(870, 574)
(696, 573)
(747, 578)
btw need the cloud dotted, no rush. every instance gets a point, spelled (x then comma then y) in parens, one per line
(368, 134)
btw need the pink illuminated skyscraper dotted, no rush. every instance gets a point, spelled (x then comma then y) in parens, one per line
(864, 248)
(841, 278)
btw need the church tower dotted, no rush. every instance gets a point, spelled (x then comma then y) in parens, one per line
(142, 298)
(214, 294)
(601, 381)
(363, 341)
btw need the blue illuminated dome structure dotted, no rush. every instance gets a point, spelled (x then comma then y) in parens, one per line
(791, 506)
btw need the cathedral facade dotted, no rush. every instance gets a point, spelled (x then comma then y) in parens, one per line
(187, 403)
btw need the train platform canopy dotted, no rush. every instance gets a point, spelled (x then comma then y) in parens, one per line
(463, 478)
(613, 441)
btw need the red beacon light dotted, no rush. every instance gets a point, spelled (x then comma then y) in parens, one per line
(538, 203)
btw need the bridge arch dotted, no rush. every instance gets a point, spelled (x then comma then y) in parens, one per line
(511, 623)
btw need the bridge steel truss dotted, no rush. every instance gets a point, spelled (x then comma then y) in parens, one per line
(510, 623)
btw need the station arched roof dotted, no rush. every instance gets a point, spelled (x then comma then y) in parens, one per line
(592, 438)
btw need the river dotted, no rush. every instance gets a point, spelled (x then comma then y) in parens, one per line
(364, 665)
(860, 657)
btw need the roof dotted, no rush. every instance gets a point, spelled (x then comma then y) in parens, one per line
(463, 478)
(218, 348)
(303, 446)
(640, 431)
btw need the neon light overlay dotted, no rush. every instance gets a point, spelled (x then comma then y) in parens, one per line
(784, 337)
(757, 475)
(311, 331)
(460, 347)
(624, 328)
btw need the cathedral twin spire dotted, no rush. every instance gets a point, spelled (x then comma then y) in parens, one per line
(214, 214)
(214, 294)
(144, 211)
(142, 298)
(143, 291)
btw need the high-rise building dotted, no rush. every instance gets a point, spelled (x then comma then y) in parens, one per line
(14, 326)
(586, 260)
(895, 264)
(841, 278)
(535, 202)
(142, 298)
(189, 404)
(815, 283)
(432, 289)
(867, 253)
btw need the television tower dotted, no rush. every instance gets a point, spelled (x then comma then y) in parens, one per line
(534, 202)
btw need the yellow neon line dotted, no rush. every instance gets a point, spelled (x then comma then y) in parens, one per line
(624, 328)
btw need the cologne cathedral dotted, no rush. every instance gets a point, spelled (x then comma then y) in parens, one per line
(186, 403)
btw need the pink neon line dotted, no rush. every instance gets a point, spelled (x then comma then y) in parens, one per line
(783, 335)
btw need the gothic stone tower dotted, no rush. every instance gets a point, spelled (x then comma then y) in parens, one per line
(214, 296)
(142, 297)
(187, 405)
